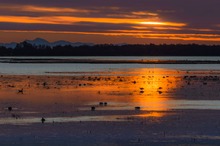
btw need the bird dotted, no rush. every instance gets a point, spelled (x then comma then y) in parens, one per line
(105, 103)
(204, 83)
(92, 108)
(9, 108)
(101, 103)
(160, 92)
(134, 82)
(21, 91)
(141, 91)
(137, 108)
(44, 84)
(43, 120)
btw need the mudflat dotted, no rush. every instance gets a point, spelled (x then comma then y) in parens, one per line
(158, 107)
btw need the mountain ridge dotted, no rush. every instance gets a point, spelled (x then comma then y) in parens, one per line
(42, 42)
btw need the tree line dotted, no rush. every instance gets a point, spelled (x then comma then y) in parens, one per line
(26, 49)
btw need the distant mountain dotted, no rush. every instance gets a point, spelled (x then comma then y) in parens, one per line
(66, 43)
(60, 43)
(122, 44)
(9, 45)
(42, 42)
(38, 42)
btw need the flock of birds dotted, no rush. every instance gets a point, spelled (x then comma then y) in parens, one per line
(93, 108)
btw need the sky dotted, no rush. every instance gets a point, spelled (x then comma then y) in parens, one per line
(111, 21)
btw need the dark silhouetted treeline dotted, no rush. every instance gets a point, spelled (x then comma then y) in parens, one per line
(25, 49)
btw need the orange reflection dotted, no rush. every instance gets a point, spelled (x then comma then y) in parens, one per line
(152, 114)
(148, 88)
(154, 89)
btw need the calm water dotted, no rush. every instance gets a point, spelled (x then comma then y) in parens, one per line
(44, 68)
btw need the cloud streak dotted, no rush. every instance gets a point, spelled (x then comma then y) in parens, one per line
(71, 20)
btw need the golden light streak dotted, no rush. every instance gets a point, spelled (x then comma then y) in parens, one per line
(68, 20)
(163, 23)
(156, 28)
(131, 31)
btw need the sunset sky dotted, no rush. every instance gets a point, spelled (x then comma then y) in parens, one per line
(111, 21)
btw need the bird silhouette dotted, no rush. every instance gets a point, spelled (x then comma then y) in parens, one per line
(21, 91)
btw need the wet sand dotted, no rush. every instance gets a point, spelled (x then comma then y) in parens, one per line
(176, 108)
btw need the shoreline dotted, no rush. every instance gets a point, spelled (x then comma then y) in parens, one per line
(103, 61)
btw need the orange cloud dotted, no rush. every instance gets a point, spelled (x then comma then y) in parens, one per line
(184, 37)
(144, 13)
(32, 8)
(52, 9)
(202, 29)
(138, 27)
(135, 34)
(68, 20)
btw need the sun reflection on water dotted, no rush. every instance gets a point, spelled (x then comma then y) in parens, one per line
(149, 89)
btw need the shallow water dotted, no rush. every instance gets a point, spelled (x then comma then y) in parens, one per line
(52, 120)
(146, 111)
(164, 105)
(82, 69)
(76, 68)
